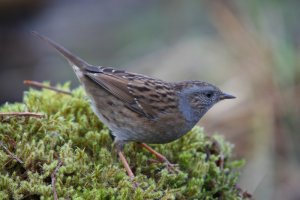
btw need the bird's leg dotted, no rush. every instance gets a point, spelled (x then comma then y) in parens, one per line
(119, 147)
(126, 165)
(160, 157)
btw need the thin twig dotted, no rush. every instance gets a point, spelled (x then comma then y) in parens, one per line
(53, 179)
(10, 153)
(41, 85)
(22, 114)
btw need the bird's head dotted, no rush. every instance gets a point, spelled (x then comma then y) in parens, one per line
(196, 98)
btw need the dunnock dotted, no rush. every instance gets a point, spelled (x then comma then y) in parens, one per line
(139, 108)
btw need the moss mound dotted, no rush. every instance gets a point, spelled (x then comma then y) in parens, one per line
(70, 132)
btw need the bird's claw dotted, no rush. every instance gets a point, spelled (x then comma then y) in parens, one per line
(173, 168)
(134, 183)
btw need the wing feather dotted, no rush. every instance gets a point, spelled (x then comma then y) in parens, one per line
(119, 87)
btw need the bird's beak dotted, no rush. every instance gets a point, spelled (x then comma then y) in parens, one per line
(226, 96)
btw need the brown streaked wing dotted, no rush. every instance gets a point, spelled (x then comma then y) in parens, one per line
(119, 85)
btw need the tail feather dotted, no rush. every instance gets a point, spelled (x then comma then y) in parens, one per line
(72, 59)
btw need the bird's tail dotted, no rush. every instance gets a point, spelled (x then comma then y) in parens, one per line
(72, 59)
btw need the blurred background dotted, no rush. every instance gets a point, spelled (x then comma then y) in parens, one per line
(248, 48)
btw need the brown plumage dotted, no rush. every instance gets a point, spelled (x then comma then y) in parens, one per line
(139, 108)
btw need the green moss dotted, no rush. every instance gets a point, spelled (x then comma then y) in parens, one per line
(72, 133)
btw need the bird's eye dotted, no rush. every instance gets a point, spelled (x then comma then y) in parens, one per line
(208, 94)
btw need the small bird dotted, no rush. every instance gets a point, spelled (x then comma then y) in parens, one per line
(138, 108)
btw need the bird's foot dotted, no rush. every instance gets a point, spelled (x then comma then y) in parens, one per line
(160, 158)
(134, 184)
(173, 168)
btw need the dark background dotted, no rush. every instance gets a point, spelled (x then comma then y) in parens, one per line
(247, 48)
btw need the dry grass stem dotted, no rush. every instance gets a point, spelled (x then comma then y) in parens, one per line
(53, 179)
(21, 114)
(10, 153)
(41, 85)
